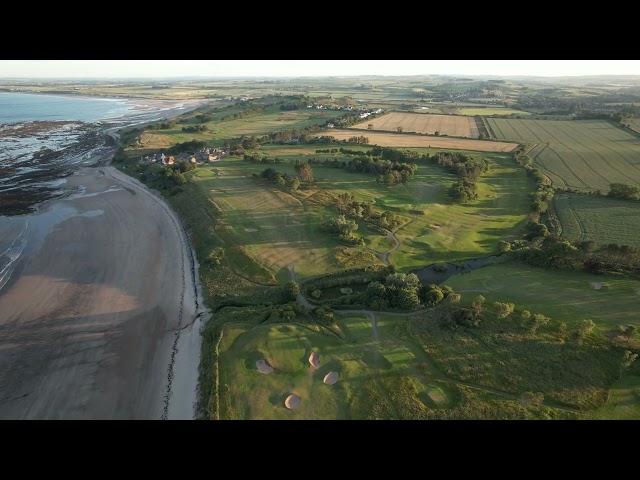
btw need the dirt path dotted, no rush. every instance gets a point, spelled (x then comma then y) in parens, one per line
(396, 244)
(101, 318)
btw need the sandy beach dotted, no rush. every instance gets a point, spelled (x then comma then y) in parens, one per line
(99, 318)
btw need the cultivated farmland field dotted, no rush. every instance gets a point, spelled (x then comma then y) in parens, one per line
(599, 219)
(453, 125)
(491, 111)
(581, 154)
(407, 140)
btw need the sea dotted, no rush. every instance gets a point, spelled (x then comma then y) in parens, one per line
(43, 140)
(25, 107)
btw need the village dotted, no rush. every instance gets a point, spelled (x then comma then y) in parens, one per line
(204, 155)
(364, 113)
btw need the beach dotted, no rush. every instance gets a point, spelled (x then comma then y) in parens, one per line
(99, 318)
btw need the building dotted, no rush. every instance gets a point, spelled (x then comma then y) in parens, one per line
(167, 159)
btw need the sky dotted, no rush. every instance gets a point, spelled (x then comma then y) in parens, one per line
(297, 68)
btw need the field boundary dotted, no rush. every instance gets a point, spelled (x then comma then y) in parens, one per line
(466, 143)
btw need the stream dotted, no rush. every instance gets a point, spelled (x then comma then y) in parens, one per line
(439, 272)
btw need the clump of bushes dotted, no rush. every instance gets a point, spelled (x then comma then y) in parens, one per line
(399, 291)
(345, 229)
(216, 256)
(281, 180)
(290, 291)
(194, 128)
(624, 191)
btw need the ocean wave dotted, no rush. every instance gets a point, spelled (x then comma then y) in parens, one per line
(11, 255)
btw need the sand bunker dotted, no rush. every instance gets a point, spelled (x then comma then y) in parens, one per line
(330, 378)
(596, 285)
(292, 402)
(314, 359)
(264, 367)
(251, 230)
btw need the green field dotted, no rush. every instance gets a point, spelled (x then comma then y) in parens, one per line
(382, 375)
(598, 219)
(445, 231)
(411, 367)
(427, 364)
(450, 231)
(490, 111)
(623, 402)
(582, 154)
(221, 128)
(263, 225)
(368, 369)
(564, 296)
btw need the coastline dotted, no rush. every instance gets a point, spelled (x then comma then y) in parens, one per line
(102, 317)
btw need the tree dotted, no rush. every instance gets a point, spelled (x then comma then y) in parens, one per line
(628, 358)
(453, 298)
(376, 295)
(294, 184)
(316, 293)
(477, 304)
(402, 280)
(563, 330)
(291, 290)
(431, 295)
(407, 298)
(537, 320)
(587, 326)
(504, 247)
(627, 331)
(621, 190)
(304, 171)
(399, 129)
(216, 256)
(504, 309)
(324, 315)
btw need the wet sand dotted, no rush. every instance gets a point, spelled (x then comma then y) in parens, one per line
(99, 317)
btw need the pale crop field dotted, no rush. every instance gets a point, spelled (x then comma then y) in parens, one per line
(453, 125)
(422, 141)
(491, 111)
(582, 154)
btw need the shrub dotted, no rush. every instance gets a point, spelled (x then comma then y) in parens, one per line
(504, 309)
(291, 290)
(324, 315)
(216, 256)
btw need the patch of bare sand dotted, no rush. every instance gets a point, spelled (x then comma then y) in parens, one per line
(263, 367)
(292, 402)
(90, 316)
(331, 378)
(314, 359)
